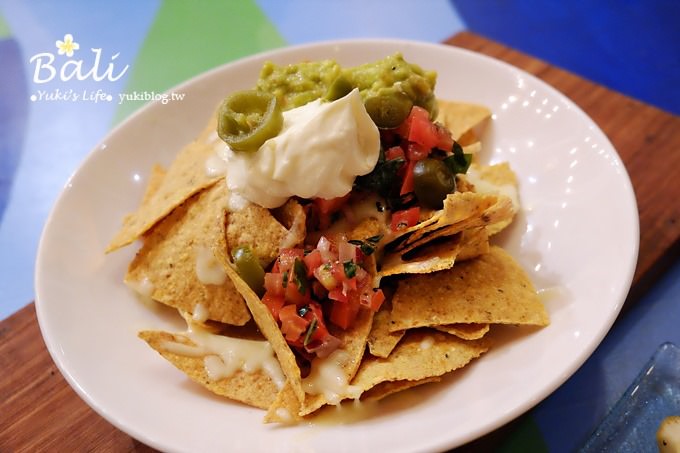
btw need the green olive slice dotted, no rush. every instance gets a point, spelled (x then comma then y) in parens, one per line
(388, 110)
(432, 182)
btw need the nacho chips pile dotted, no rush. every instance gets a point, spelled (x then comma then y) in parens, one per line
(447, 287)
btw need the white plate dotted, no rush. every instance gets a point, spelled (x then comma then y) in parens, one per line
(577, 237)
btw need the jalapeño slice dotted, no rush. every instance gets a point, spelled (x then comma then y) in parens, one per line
(246, 119)
(249, 268)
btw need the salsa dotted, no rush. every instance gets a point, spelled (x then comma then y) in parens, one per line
(307, 288)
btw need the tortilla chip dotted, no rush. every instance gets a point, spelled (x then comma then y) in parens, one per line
(496, 179)
(292, 216)
(465, 331)
(388, 388)
(461, 117)
(255, 389)
(367, 228)
(472, 148)
(381, 341)
(421, 354)
(270, 329)
(473, 243)
(285, 408)
(428, 236)
(256, 227)
(463, 185)
(168, 259)
(209, 133)
(185, 177)
(468, 138)
(461, 211)
(155, 180)
(492, 288)
(429, 258)
(438, 251)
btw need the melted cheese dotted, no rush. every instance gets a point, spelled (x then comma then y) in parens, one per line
(328, 378)
(426, 343)
(208, 269)
(143, 287)
(224, 356)
(200, 313)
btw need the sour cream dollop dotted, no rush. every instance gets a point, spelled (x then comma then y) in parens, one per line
(321, 149)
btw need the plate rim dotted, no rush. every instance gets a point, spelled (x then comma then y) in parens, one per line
(483, 428)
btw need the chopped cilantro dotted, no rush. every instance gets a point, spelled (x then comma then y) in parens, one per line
(368, 246)
(458, 162)
(383, 178)
(300, 275)
(310, 331)
(350, 268)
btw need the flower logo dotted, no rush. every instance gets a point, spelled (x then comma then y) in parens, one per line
(67, 46)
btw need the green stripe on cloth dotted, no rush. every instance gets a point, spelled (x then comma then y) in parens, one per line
(5, 31)
(188, 38)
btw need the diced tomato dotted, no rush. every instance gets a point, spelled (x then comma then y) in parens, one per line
(361, 276)
(405, 219)
(372, 299)
(327, 207)
(317, 340)
(338, 272)
(429, 135)
(298, 289)
(292, 324)
(318, 290)
(343, 314)
(421, 129)
(287, 257)
(274, 303)
(444, 138)
(394, 152)
(313, 260)
(403, 129)
(416, 151)
(320, 330)
(273, 283)
(314, 330)
(337, 294)
(407, 184)
(349, 285)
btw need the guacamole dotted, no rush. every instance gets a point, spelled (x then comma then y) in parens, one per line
(294, 85)
(389, 87)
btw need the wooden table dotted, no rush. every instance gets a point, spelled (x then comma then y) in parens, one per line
(39, 411)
